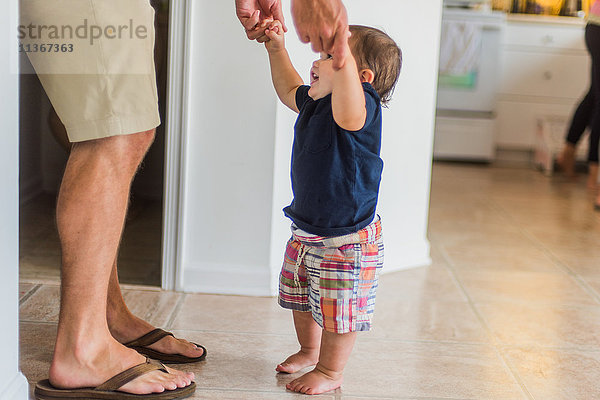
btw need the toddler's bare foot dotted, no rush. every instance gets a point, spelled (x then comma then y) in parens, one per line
(298, 361)
(316, 382)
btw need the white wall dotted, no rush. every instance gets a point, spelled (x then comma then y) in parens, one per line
(13, 384)
(239, 142)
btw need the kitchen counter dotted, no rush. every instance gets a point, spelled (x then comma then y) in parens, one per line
(545, 19)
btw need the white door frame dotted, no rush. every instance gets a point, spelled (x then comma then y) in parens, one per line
(175, 142)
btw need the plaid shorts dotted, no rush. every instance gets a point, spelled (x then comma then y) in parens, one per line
(334, 278)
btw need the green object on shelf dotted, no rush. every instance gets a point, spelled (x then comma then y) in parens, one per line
(466, 81)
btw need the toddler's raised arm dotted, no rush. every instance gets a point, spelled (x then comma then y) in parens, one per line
(285, 77)
(348, 97)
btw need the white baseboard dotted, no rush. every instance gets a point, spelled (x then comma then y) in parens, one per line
(246, 280)
(16, 388)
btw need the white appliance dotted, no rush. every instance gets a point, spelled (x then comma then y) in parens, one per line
(466, 102)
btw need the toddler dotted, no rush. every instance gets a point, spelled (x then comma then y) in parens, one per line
(332, 262)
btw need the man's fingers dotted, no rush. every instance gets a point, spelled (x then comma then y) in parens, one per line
(340, 48)
(263, 38)
(315, 42)
(255, 33)
(250, 22)
(278, 15)
(327, 43)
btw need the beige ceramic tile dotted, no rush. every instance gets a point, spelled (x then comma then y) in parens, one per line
(556, 374)
(42, 306)
(234, 314)
(209, 394)
(434, 283)
(497, 258)
(379, 369)
(36, 342)
(470, 236)
(428, 370)
(565, 236)
(426, 319)
(527, 287)
(543, 325)
(585, 265)
(24, 289)
(594, 283)
(241, 361)
(155, 307)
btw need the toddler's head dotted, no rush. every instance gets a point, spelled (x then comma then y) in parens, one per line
(374, 50)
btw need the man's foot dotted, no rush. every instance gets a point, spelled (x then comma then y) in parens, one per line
(297, 362)
(316, 382)
(133, 328)
(83, 368)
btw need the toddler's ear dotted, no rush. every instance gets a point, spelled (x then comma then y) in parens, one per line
(366, 75)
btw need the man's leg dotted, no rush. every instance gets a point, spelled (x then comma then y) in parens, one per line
(125, 327)
(90, 214)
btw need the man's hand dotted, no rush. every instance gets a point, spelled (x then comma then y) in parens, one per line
(323, 23)
(256, 15)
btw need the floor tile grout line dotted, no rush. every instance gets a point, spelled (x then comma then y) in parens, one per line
(557, 262)
(495, 340)
(175, 312)
(26, 321)
(28, 295)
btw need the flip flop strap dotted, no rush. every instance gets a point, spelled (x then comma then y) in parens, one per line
(149, 338)
(130, 374)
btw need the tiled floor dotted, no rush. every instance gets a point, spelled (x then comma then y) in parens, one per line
(510, 308)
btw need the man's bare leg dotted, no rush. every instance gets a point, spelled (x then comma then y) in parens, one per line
(90, 216)
(308, 333)
(328, 374)
(125, 326)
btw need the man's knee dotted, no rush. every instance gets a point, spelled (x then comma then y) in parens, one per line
(124, 150)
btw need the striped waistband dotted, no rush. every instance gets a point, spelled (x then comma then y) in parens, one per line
(370, 233)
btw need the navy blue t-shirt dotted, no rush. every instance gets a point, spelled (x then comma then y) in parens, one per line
(335, 172)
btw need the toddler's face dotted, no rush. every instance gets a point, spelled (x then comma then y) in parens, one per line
(321, 77)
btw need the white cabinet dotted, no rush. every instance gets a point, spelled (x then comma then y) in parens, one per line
(545, 72)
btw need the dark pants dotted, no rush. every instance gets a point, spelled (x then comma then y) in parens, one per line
(587, 114)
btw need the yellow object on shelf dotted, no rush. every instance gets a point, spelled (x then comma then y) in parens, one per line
(550, 7)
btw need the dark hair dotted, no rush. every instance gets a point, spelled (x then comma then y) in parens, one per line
(375, 50)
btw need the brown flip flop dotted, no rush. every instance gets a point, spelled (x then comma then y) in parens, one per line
(109, 389)
(141, 346)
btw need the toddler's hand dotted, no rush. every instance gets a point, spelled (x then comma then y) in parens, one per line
(275, 34)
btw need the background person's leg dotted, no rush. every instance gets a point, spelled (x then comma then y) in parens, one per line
(592, 36)
(90, 214)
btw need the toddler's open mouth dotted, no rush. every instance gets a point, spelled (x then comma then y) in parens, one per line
(313, 77)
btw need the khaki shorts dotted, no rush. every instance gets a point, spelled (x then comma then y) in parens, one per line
(95, 59)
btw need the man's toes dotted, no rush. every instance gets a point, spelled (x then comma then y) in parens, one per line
(157, 388)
